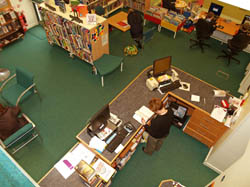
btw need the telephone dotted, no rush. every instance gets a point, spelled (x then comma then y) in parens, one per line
(152, 83)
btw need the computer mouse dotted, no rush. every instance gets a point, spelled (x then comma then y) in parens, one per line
(185, 86)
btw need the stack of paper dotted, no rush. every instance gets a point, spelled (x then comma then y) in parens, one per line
(143, 113)
(104, 170)
(83, 153)
(219, 113)
(97, 144)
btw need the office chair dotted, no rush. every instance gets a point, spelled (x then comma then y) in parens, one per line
(21, 137)
(106, 65)
(203, 32)
(21, 90)
(234, 46)
(99, 10)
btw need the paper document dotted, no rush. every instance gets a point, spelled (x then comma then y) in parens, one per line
(97, 144)
(103, 170)
(218, 113)
(195, 98)
(119, 148)
(83, 153)
(144, 112)
(66, 165)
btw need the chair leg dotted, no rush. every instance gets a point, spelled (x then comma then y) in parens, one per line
(102, 79)
(121, 66)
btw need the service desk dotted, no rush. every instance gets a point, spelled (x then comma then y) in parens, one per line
(132, 98)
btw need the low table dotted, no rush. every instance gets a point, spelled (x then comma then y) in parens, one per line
(115, 19)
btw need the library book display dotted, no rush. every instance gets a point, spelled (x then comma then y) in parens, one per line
(86, 41)
(200, 125)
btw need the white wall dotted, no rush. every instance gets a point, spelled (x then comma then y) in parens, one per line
(237, 174)
(28, 10)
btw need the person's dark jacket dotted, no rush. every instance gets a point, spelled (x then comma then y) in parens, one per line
(240, 41)
(10, 122)
(204, 28)
(136, 25)
(169, 4)
(160, 125)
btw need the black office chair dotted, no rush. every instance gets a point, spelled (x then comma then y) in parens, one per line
(203, 33)
(234, 46)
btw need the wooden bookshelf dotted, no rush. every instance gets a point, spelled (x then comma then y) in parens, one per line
(10, 28)
(88, 42)
(139, 5)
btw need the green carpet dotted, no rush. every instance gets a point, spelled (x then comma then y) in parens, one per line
(71, 95)
(37, 32)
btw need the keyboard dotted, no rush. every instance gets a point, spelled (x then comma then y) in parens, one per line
(121, 134)
(174, 85)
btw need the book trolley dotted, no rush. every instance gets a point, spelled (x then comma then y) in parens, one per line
(86, 41)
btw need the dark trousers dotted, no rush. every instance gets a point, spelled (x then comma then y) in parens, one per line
(153, 144)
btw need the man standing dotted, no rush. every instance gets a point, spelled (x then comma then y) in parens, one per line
(159, 126)
(136, 26)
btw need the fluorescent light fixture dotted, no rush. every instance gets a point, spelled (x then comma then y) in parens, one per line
(244, 4)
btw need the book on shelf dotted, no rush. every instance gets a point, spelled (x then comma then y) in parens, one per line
(12, 14)
(2, 20)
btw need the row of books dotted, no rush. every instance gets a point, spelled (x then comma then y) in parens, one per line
(138, 5)
(7, 16)
(10, 38)
(174, 18)
(157, 12)
(113, 5)
(11, 27)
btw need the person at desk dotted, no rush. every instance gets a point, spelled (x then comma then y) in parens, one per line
(242, 38)
(136, 26)
(159, 126)
(170, 5)
(207, 24)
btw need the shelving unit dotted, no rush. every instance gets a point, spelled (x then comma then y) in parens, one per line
(140, 5)
(108, 5)
(88, 42)
(10, 28)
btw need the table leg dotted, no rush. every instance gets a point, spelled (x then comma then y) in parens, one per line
(159, 28)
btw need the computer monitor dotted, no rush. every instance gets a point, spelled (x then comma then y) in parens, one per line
(99, 121)
(179, 111)
(215, 8)
(161, 66)
(246, 19)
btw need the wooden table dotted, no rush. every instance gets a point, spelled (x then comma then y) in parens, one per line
(121, 16)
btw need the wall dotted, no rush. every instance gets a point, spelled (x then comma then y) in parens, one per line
(237, 174)
(28, 10)
(233, 143)
(229, 11)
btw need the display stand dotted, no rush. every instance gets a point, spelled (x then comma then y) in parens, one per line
(88, 42)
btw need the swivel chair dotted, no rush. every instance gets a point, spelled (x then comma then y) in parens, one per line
(203, 32)
(235, 45)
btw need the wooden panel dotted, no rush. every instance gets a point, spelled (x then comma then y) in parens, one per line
(203, 131)
(199, 137)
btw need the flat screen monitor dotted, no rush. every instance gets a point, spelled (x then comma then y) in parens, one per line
(161, 66)
(246, 19)
(99, 120)
(216, 9)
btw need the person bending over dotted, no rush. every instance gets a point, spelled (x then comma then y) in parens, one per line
(136, 26)
(159, 126)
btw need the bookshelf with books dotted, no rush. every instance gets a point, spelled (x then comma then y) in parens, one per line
(86, 41)
(10, 28)
(139, 5)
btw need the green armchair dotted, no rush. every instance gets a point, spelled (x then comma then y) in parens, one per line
(107, 64)
(21, 90)
(21, 137)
